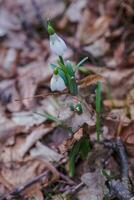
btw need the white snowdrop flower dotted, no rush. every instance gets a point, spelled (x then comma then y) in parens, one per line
(57, 45)
(57, 83)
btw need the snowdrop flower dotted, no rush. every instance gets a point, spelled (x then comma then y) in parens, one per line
(57, 45)
(57, 83)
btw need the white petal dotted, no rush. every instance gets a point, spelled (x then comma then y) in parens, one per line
(57, 83)
(57, 45)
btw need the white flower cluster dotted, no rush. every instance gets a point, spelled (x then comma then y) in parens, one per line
(58, 47)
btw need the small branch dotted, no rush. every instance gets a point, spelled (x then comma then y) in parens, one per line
(120, 188)
(122, 157)
(18, 190)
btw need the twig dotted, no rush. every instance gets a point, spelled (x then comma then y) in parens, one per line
(122, 157)
(18, 190)
(120, 188)
(75, 189)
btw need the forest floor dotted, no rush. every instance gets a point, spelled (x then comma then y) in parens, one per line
(48, 151)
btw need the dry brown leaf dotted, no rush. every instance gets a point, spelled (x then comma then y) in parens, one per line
(90, 79)
(20, 174)
(29, 78)
(8, 129)
(34, 192)
(95, 183)
(88, 34)
(35, 116)
(120, 81)
(37, 134)
(45, 153)
(127, 134)
(68, 143)
(99, 48)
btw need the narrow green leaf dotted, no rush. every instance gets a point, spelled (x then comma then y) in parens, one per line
(81, 62)
(73, 86)
(98, 97)
(63, 76)
(70, 68)
(53, 66)
(98, 109)
(72, 156)
(81, 148)
(85, 70)
(84, 148)
(50, 117)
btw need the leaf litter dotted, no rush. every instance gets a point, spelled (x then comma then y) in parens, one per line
(29, 127)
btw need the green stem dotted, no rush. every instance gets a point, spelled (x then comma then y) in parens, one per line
(98, 110)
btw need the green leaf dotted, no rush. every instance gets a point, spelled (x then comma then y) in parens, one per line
(84, 147)
(98, 109)
(73, 86)
(70, 68)
(53, 66)
(72, 156)
(84, 70)
(50, 117)
(81, 62)
(81, 148)
(98, 97)
(63, 76)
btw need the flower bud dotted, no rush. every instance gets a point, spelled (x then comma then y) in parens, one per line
(57, 83)
(50, 29)
(57, 45)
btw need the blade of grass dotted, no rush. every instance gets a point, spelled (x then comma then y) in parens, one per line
(98, 109)
(50, 117)
(81, 62)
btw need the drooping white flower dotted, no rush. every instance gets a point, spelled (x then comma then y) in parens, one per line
(57, 83)
(57, 45)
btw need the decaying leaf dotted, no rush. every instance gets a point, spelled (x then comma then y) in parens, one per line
(94, 31)
(37, 134)
(90, 79)
(20, 174)
(45, 153)
(95, 189)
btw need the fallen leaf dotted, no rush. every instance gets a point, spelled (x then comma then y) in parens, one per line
(90, 79)
(94, 31)
(45, 153)
(95, 183)
(96, 48)
(37, 134)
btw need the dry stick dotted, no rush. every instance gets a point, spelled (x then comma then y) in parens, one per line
(121, 188)
(44, 95)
